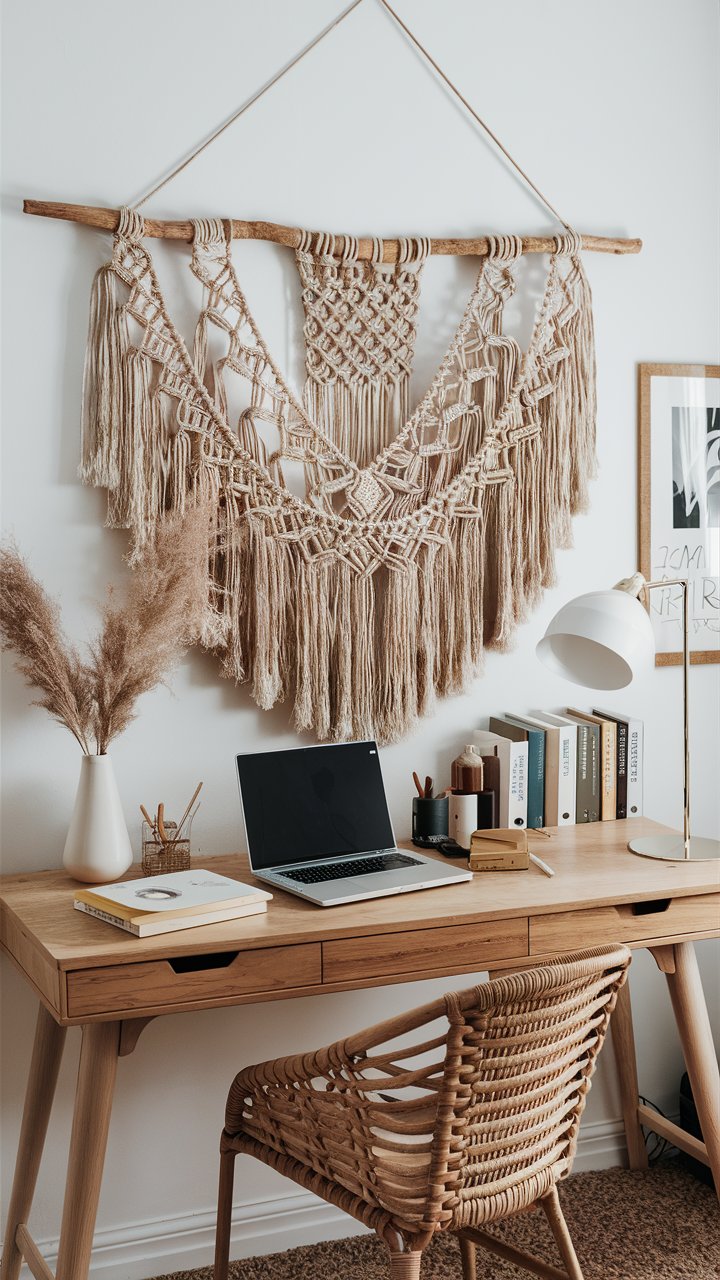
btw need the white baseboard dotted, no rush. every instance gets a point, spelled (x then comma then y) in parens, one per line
(601, 1145)
(157, 1246)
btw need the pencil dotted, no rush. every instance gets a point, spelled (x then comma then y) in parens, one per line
(542, 865)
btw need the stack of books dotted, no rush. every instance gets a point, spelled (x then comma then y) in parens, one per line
(162, 904)
(555, 770)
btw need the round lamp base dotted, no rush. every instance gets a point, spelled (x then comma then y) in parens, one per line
(670, 848)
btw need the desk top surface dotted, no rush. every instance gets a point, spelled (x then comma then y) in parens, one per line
(592, 864)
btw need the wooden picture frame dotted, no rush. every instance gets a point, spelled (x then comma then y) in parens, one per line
(679, 501)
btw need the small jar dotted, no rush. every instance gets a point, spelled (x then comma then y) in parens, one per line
(467, 772)
(160, 857)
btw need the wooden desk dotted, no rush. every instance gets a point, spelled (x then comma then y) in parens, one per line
(90, 974)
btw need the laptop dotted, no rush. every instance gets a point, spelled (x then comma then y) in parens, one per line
(317, 825)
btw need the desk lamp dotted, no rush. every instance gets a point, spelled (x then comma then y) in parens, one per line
(602, 640)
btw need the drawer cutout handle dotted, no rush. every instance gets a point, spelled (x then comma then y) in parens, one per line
(655, 907)
(198, 964)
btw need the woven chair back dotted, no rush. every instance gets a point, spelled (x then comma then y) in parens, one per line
(520, 1054)
(466, 1122)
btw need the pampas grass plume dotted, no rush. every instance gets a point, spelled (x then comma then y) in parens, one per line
(142, 637)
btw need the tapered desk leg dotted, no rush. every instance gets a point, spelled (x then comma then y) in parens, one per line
(44, 1068)
(693, 1025)
(91, 1121)
(623, 1039)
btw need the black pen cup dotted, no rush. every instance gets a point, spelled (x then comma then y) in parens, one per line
(429, 820)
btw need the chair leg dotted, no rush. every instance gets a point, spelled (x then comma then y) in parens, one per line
(404, 1266)
(224, 1215)
(555, 1216)
(468, 1260)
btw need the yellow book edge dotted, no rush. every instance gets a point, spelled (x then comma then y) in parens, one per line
(152, 928)
(131, 914)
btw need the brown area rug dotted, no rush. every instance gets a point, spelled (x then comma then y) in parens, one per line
(659, 1225)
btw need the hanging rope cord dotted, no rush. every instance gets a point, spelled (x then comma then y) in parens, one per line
(299, 57)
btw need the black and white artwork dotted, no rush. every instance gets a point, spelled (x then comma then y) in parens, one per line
(696, 466)
(679, 493)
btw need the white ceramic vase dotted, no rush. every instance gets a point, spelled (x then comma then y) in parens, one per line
(97, 848)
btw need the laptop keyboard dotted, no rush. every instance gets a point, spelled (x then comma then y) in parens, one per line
(358, 867)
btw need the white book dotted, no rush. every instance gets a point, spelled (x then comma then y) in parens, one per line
(634, 764)
(513, 758)
(174, 893)
(565, 745)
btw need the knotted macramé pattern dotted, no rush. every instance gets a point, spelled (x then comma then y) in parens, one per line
(358, 577)
(360, 327)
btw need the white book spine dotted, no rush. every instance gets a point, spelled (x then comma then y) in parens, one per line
(567, 769)
(513, 757)
(517, 808)
(127, 925)
(635, 769)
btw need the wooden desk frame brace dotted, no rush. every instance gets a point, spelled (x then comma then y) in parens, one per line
(104, 1042)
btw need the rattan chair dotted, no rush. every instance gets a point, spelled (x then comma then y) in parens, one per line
(472, 1121)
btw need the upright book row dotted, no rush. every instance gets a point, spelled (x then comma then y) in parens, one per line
(556, 770)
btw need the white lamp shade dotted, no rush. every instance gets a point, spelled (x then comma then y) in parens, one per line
(600, 640)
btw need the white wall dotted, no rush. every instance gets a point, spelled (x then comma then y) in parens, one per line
(613, 111)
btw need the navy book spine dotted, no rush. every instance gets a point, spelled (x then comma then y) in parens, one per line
(536, 778)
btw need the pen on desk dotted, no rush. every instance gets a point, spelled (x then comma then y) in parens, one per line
(542, 865)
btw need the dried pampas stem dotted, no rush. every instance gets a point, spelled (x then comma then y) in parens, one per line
(163, 612)
(30, 624)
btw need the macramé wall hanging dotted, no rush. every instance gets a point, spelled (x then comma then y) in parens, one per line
(421, 538)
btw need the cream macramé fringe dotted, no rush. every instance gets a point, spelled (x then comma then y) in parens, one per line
(384, 586)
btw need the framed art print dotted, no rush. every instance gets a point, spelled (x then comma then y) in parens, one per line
(679, 503)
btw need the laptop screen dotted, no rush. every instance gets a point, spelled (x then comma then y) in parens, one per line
(313, 802)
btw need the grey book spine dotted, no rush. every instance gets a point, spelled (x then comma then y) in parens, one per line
(588, 773)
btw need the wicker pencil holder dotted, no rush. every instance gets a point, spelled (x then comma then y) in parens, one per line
(161, 857)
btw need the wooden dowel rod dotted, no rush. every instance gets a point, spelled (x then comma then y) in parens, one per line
(32, 1255)
(672, 1133)
(107, 220)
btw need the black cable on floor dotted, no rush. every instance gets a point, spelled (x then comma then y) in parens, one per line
(657, 1147)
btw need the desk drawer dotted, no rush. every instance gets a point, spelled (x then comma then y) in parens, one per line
(192, 979)
(449, 949)
(629, 922)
